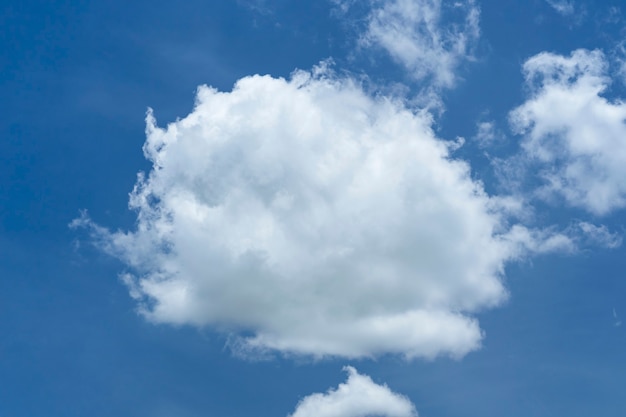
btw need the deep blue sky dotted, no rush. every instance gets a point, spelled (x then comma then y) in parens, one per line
(76, 79)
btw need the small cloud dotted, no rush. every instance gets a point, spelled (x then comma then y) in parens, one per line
(359, 396)
(414, 35)
(487, 134)
(619, 59)
(569, 240)
(259, 7)
(574, 13)
(614, 15)
(617, 322)
(342, 6)
(599, 235)
(563, 7)
(540, 241)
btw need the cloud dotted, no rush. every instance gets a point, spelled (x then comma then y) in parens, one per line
(424, 37)
(619, 57)
(542, 241)
(574, 133)
(306, 217)
(488, 134)
(257, 6)
(579, 235)
(342, 6)
(359, 396)
(563, 7)
(485, 133)
(599, 235)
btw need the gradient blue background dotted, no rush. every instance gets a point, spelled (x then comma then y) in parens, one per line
(76, 78)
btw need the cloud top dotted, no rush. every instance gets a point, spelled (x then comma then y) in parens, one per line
(359, 396)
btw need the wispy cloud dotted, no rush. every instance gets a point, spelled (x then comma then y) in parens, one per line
(417, 35)
(617, 321)
(599, 235)
(563, 7)
(487, 134)
(257, 6)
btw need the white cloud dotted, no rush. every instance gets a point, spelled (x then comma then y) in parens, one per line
(617, 321)
(317, 221)
(359, 396)
(487, 134)
(563, 7)
(576, 134)
(538, 241)
(342, 6)
(416, 35)
(257, 6)
(619, 56)
(599, 235)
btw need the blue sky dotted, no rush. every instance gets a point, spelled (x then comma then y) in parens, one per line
(416, 207)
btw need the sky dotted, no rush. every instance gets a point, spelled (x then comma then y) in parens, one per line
(330, 208)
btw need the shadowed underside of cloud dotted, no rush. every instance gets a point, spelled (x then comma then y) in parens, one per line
(319, 221)
(574, 133)
(359, 396)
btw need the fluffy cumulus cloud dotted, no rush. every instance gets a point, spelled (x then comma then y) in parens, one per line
(577, 135)
(359, 396)
(314, 220)
(430, 38)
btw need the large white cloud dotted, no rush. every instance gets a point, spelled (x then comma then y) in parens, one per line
(576, 134)
(426, 36)
(315, 220)
(359, 396)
